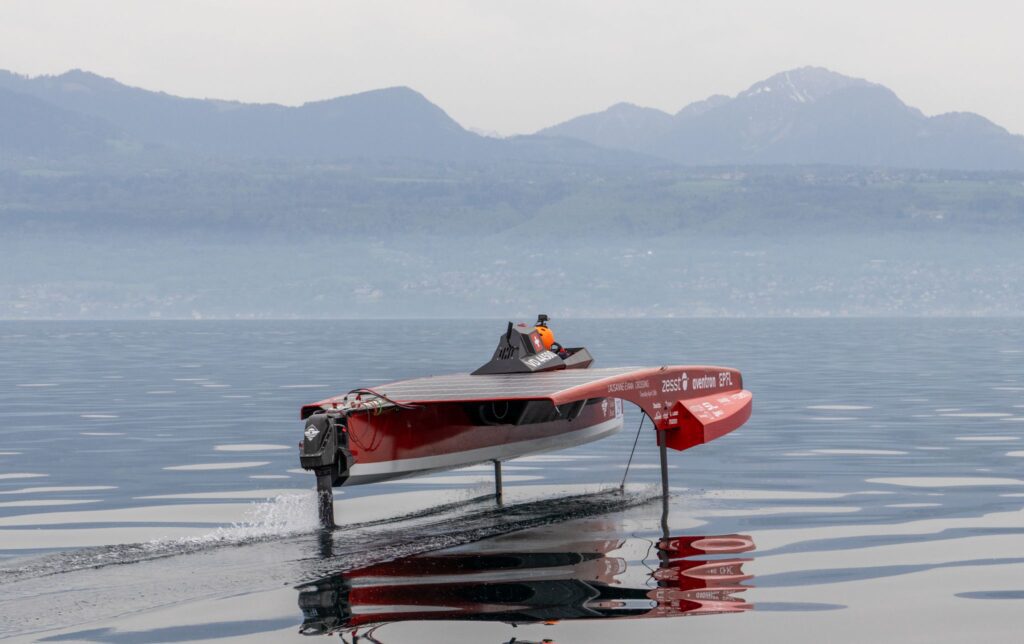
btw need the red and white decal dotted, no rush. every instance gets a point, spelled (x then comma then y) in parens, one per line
(537, 343)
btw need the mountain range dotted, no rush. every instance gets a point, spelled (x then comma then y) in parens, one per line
(803, 116)
(81, 113)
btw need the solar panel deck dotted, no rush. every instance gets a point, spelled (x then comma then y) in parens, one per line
(464, 387)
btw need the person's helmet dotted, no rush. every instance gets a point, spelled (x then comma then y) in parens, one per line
(546, 336)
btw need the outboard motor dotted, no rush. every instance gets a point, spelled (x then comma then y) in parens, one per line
(325, 451)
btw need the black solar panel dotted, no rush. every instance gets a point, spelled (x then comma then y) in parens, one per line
(464, 387)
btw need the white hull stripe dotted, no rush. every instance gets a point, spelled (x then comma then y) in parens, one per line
(504, 451)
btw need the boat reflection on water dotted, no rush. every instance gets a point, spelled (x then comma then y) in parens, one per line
(537, 581)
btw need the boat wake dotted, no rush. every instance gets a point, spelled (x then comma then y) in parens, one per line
(280, 517)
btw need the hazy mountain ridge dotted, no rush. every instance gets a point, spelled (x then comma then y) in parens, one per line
(395, 122)
(389, 162)
(31, 126)
(804, 116)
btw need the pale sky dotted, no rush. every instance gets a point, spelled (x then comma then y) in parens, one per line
(520, 65)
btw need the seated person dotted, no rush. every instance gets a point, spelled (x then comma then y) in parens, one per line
(547, 336)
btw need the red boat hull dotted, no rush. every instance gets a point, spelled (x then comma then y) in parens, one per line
(409, 442)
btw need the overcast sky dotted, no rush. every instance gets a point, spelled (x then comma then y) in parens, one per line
(517, 66)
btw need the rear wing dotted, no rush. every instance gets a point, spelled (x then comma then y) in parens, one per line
(691, 404)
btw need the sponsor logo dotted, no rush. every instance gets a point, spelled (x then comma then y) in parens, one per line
(539, 359)
(604, 407)
(704, 382)
(628, 386)
(682, 383)
(311, 433)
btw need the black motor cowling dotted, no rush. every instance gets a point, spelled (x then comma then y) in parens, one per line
(325, 447)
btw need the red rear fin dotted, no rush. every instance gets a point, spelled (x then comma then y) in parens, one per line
(692, 404)
(702, 420)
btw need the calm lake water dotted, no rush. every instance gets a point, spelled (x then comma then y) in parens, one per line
(876, 493)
